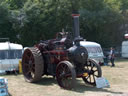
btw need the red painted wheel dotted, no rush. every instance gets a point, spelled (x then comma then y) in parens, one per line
(66, 75)
(94, 71)
(32, 65)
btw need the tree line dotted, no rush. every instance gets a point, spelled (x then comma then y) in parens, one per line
(29, 21)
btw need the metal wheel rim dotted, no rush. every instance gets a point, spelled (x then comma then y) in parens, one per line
(28, 64)
(94, 72)
(64, 76)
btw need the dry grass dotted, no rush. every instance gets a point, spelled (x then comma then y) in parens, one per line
(117, 77)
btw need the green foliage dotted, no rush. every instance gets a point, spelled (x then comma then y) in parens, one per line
(29, 21)
(101, 21)
(5, 23)
(16, 4)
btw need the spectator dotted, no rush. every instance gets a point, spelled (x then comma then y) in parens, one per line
(112, 56)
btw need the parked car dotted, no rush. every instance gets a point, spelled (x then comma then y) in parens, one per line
(94, 51)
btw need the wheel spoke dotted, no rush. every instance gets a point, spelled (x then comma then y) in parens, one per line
(92, 66)
(94, 71)
(33, 69)
(60, 71)
(65, 68)
(61, 76)
(68, 75)
(87, 67)
(62, 67)
(87, 77)
(94, 78)
(28, 73)
(95, 75)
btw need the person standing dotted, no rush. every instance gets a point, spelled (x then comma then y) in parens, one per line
(112, 56)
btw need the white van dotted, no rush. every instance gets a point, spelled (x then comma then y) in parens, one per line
(124, 49)
(10, 54)
(94, 51)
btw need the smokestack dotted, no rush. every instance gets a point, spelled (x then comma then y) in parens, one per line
(75, 16)
(76, 29)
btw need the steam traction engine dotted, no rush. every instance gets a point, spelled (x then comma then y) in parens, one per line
(62, 58)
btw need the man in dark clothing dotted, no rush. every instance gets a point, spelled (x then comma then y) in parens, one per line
(112, 56)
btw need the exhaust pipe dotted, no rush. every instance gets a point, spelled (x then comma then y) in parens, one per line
(75, 16)
(76, 24)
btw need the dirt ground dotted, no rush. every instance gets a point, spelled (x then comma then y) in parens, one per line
(117, 77)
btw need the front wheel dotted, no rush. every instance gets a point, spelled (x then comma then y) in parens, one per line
(94, 71)
(66, 75)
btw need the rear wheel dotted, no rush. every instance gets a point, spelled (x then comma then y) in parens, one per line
(66, 75)
(94, 71)
(32, 65)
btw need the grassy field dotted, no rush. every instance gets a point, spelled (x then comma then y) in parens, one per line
(117, 77)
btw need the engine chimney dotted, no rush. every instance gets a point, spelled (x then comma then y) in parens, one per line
(75, 16)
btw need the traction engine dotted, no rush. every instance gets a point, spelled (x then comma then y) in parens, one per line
(63, 58)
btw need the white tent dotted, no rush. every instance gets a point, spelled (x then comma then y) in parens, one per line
(125, 49)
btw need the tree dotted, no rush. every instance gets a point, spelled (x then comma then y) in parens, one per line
(6, 30)
(101, 21)
(28, 21)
